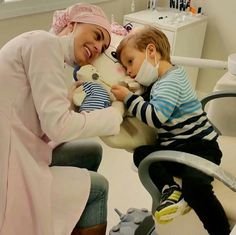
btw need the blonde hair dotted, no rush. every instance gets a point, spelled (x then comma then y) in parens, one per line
(140, 38)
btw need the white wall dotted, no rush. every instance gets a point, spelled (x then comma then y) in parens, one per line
(12, 27)
(220, 40)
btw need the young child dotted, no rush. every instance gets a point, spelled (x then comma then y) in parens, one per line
(173, 108)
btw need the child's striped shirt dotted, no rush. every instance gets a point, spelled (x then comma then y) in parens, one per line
(173, 109)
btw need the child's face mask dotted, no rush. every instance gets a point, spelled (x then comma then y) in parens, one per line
(147, 73)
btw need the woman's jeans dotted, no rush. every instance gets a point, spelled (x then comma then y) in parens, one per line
(86, 154)
(78, 153)
(95, 211)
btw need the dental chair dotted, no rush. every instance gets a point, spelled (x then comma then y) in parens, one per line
(134, 133)
(224, 186)
(225, 183)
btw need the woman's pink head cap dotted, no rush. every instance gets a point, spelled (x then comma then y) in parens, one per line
(80, 13)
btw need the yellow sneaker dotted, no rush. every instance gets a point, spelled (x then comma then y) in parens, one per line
(172, 204)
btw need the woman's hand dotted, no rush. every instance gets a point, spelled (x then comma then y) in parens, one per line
(119, 106)
(120, 92)
(71, 91)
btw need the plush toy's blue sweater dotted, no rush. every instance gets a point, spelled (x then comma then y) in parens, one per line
(96, 97)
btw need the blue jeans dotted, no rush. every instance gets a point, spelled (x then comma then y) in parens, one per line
(95, 211)
(86, 154)
(78, 153)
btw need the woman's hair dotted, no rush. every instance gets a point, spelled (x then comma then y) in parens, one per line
(140, 38)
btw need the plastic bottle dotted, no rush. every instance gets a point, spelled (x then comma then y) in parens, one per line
(152, 4)
(196, 6)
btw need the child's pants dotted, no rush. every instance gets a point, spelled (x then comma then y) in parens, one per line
(196, 186)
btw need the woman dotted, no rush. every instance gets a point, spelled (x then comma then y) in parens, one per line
(34, 108)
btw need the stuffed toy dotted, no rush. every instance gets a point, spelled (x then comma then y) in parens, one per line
(95, 93)
(91, 94)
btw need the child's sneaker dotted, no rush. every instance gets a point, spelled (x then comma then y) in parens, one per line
(172, 204)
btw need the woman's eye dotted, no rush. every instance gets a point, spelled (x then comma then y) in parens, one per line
(98, 36)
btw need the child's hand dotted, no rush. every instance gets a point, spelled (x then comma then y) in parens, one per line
(133, 86)
(120, 92)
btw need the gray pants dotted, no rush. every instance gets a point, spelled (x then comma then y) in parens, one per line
(86, 154)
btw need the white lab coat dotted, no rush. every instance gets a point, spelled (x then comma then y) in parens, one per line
(36, 199)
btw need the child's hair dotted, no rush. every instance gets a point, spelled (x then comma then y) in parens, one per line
(142, 37)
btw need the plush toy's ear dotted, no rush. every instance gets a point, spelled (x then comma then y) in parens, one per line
(76, 69)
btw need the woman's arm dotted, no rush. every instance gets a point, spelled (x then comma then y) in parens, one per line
(44, 56)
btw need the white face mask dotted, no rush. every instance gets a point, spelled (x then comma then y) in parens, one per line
(147, 73)
(70, 55)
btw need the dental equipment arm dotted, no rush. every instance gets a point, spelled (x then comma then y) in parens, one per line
(206, 63)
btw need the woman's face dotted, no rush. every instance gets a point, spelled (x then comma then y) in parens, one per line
(90, 41)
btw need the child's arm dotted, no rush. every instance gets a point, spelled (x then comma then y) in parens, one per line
(120, 92)
(151, 113)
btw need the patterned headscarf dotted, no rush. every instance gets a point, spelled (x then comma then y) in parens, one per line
(80, 13)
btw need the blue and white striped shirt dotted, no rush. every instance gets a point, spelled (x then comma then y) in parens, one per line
(96, 97)
(173, 109)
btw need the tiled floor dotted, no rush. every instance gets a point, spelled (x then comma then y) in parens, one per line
(127, 191)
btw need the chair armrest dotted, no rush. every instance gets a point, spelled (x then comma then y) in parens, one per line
(217, 94)
(194, 161)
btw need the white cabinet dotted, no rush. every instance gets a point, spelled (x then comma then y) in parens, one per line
(186, 33)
